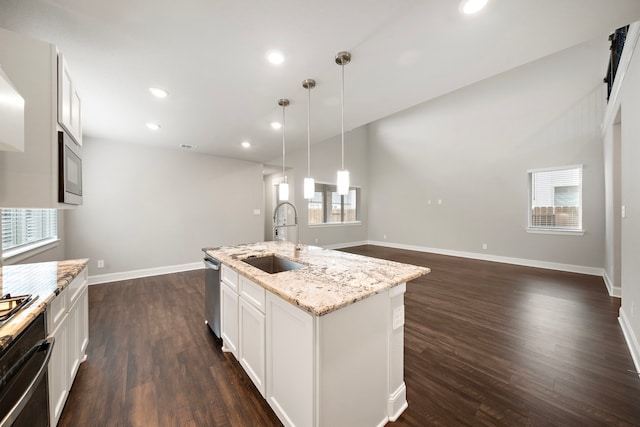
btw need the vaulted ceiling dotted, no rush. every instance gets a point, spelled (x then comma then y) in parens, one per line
(210, 55)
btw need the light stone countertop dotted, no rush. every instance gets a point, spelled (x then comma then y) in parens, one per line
(331, 280)
(44, 280)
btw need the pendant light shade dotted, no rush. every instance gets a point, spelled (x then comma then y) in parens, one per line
(283, 187)
(309, 182)
(342, 59)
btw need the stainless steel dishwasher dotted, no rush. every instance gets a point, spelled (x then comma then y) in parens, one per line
(212, 293)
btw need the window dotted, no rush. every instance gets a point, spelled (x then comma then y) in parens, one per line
(328, 207)
(22, 227)
(556, 199)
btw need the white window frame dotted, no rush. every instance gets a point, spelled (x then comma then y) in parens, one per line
(358, 191)
(27, 245)
(579, 231)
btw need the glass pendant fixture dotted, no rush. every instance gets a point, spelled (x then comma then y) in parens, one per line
(283, 187)
(342, 59)
(309, 183)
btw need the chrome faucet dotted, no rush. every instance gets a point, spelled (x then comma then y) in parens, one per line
(276, 227)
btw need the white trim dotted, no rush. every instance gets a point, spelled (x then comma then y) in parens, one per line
(558, 231)
(346, 245)
(614, 291)
(397, 403)
(147, 272)
(555, 168)
(632, 342)
(334, 224)
(594, 271)
(625, 59)
(27, 251)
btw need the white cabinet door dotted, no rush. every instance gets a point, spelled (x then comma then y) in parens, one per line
(83, 324)
(69, 112)
(229, 319)
(290, 362)
(73, 319)
(58, 371)
(252, 343)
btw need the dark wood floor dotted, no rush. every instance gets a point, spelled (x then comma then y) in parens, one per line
(485, 344)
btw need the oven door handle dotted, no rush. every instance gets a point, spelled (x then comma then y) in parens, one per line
(42, 345)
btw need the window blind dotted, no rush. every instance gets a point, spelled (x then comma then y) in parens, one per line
(26, 226)
(556, 198)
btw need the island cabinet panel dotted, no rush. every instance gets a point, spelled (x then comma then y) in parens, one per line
(229, 309)
(229, 318)
(352, 362)
(290, 362)
(58, 373)
(252, 343)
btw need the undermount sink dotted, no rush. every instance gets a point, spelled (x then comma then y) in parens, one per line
(273, 264)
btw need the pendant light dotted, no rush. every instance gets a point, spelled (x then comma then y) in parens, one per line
(342, 59)
(283, 187)
(309, 183)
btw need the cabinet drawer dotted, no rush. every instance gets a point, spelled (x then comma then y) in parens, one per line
(76, 287)
(57, 310)
(229, 276)
(253, 293)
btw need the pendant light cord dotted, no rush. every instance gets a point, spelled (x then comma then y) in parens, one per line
(283, 146)
(309, 131)
(342, 104)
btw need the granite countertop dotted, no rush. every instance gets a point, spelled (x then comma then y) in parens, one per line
(43, 280)
(331, 280)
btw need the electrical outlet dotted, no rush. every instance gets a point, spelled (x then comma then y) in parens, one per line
(484, 246)
(624, 211)
(439, 201)
(316, 240)
(100, 263)
(384, 236)
(256, 211)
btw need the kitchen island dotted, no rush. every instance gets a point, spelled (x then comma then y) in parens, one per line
(323, 343)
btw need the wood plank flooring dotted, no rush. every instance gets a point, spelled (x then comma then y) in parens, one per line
(485, 344)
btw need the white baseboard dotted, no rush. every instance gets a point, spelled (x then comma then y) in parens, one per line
(593, 271)
(147, 272)
(346, 245)
(632, 341)
(614, 291)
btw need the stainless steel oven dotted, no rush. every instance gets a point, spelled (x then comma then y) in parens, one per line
(24, 394)
(69, 170)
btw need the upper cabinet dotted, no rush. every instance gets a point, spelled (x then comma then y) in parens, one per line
(69, 112)
(11, 116)
(29, 179)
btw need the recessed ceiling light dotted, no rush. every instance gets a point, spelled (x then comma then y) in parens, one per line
(276, 125)
(246, 144)
(469, 7)
(275, 57)
(186, 146)
(158, 93)
(153, 126)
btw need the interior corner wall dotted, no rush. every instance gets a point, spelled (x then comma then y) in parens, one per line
(612, 182)
(146, 207)
(630, 230)
(325, 161)
(451, 174)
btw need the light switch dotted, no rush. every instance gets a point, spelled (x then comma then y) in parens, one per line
(624, 211)
(256, 211)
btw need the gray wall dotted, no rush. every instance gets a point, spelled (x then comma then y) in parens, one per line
(146, 207)
(472, 149)
(325, 161)
(630, 127)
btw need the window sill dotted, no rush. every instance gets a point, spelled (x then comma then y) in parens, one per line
(558, 231)
(335, 224)
(23, 252)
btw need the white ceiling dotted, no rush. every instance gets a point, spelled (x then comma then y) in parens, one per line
(210, 56)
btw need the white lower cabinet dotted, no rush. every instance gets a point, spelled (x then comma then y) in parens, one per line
(344, 368)
(58, 372)
(68, 323)
(229, 319)
(252, 343)
(290, 367)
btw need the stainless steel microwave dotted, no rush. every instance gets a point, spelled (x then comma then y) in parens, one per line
(69, 170)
